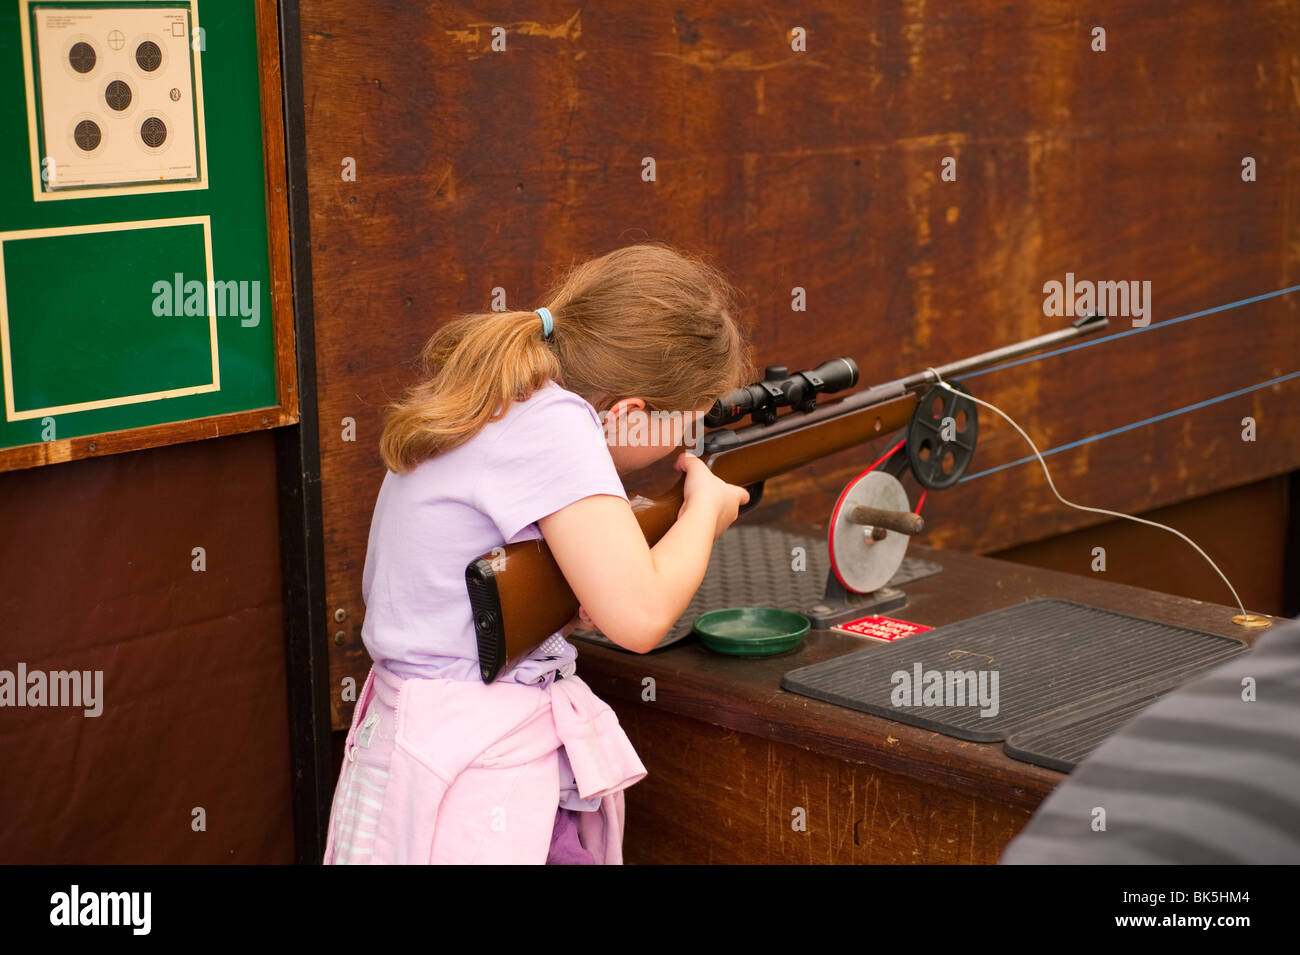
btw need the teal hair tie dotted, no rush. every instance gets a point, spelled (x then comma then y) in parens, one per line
(548, 324)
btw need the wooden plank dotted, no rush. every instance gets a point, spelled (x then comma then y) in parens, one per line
(270, 84)
(751, 801)
(134, 439)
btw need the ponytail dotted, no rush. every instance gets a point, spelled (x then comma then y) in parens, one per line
(641, 321)
(473, 366)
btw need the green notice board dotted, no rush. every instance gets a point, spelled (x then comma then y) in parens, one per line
(135, 277)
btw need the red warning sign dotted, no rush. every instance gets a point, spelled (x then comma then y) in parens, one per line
(881, 628)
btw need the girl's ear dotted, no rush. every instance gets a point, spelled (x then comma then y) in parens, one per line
(624, 405)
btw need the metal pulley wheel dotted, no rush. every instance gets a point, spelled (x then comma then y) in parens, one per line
(941, 437)
(868, 532)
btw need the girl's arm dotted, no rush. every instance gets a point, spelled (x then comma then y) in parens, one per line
(635, 593)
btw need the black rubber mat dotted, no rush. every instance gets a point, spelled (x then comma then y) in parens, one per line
(1062, 740)
(1066, 735)
(1068, 675)
(754, 566)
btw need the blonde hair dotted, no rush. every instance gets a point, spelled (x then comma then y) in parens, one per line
(642, 321)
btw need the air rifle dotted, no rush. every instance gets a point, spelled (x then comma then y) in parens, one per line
(518, 593)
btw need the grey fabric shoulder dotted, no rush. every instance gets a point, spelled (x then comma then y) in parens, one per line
(1209, 774)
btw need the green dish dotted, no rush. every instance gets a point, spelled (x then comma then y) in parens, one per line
(751, 631)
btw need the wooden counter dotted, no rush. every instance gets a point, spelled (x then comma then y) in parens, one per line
(735, 762)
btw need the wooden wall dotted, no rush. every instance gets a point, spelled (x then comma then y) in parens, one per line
(821, 170)
(1244, 528)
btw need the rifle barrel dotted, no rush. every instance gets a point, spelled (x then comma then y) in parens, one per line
(723, 439)
(1084, 326)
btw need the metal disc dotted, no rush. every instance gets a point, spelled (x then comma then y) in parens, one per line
(862, 564)
(938, 463)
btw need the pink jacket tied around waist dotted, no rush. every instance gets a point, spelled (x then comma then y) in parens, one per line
(443, 771)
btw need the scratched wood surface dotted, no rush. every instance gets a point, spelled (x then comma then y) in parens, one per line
(821, 170)
(751, 801)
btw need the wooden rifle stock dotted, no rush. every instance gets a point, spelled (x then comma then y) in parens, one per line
(518, 594)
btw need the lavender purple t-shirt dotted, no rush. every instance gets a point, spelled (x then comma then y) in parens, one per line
(543, 454)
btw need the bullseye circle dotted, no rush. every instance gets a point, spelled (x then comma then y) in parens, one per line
(117, 95)
(82, 57)
(153, 132)
(87, 135)
(148, 56)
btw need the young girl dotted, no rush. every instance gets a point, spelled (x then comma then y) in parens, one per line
(501, 442)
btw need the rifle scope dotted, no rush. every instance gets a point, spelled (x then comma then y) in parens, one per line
(778, 387)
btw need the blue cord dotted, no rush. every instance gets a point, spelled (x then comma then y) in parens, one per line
(1136, 424)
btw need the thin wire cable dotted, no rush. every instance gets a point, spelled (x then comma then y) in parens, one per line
(1084, 507)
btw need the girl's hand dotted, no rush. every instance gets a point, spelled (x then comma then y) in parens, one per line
(704, 489)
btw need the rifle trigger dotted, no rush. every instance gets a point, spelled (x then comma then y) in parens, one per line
(755, 495)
